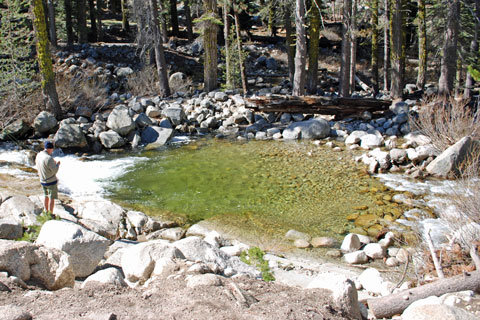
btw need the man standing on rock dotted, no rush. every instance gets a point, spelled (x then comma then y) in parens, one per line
(47, 171)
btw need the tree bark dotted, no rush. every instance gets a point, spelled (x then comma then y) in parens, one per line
(188, 17)
(125, 23)
(239, 48)
(52, 29)
(164, 87)
(386, 46)
(163, 22)
(397, 54)
(174, 17)
(289, 43)
(82, 22)
(301, 50)
(210, 43)
(100, 5)
(45, 61)
(68, 21)
(346, 49)
(226, 34)
(353, 46)
(271, 19)
(313, 50)
(374, 60)
(388, 306)
(449, 50)
(422, 45)
(93, 20)
(473, 51)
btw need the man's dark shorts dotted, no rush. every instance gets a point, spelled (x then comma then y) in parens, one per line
(51, 191)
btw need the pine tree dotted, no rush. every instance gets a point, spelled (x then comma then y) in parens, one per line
(45, 61)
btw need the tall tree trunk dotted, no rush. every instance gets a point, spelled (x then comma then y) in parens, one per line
(449, 50)
(159, 53)
(313, 49)
(353, 45)
(473, 51)
(226, 34)
(422, 45)
(301, 50)
(45, 61)
(125, 23)
(271, 19)
(386, 46)
(163, 22)
(346, 49)
(93, 20)
(210, 44)
(397, 56)
(374, 61)
(82, 21)
(100, 5)
(174, 17)
(52, 29)
(188, 18)
(458, 77)
(289, 43)
(243, 73)
(68, 21)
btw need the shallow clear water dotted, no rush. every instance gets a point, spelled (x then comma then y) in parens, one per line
(266, 186)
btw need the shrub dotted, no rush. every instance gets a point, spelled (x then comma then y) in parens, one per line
(445, 121)
(254, 257)
(74, 91)
(143, 82)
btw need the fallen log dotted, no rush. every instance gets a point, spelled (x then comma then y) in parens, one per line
(337, 106)
(388, 306)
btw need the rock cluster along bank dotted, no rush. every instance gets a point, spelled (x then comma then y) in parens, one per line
(97, 242)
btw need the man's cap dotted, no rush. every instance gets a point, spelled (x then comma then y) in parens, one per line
(48, 145)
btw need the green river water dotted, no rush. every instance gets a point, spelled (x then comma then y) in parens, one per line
(260, 188)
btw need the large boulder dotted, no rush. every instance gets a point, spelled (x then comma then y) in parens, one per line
(344, 293)
(70, 136)
(372, 281)
(17, 130)
(44, 122)
(139, 261)
(110, 276)
(20, 209)
(449, 161)
(10, 230)
(311, 129)
(177, 80)
(371, 141)
(85, 247)
(175, 114)
(49, 266)
(123, 72)
(432, 308)
(355, 137)
(156, 136)
(350, 243)
(196, 249)
(103, 217)
(111, 139)
(120, 120)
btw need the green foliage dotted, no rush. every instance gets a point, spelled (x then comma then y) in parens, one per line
(235, 59)
(254, 257)
(16, 58)
(474, 72)
(208, 18)
(33, 231)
